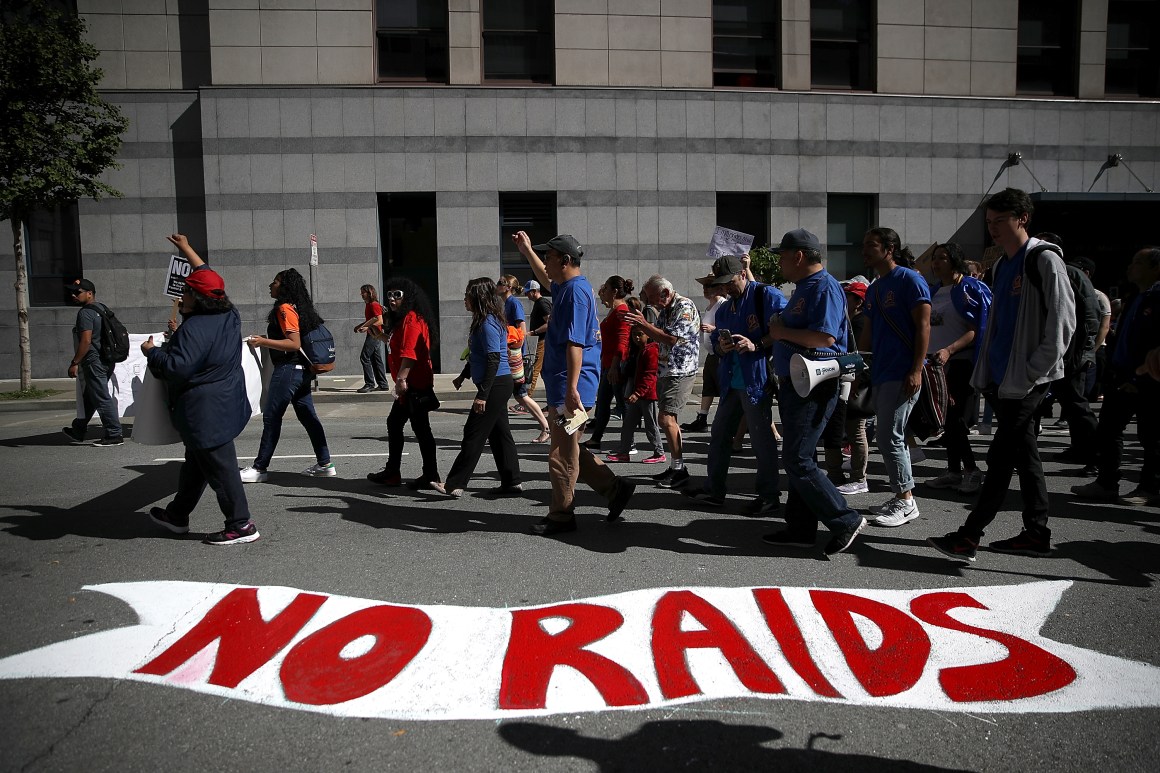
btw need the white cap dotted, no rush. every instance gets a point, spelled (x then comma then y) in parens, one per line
(530, 285)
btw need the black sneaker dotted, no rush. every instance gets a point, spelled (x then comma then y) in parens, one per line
(1025, 544)
(679, 479)
(77, 437)
(704, 497)
(109, 441)
(248, 532)
(165, 519)
(385, 478)
(787, 538)
(550, 528)
(954, 545)
(365, 388)
(761, 507)
(844, 538)
(664, 475)
(624, 491)
(700, 424)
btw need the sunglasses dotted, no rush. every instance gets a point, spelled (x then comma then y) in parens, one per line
(394, 295)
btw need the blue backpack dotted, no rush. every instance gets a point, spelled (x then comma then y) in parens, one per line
(318, 349)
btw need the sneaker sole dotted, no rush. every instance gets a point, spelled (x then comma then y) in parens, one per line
(895, 524)
(1031, 552)
(961, 556)
(239, 541)
(843, 548)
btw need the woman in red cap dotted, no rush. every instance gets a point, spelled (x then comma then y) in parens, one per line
(202, 369)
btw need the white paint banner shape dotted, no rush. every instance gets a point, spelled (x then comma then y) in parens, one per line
(726, 241)
(969, 650)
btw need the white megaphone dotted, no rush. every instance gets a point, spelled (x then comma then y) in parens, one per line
(807, 374)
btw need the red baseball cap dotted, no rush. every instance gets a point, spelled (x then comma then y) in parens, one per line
(207, 282)
(855, 288)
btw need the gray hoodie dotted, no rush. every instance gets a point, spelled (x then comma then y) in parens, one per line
(1046, 322)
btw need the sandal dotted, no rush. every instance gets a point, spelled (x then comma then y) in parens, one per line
(543, 437)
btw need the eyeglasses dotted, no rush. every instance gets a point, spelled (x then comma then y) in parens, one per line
(75, 292)
(394, 295)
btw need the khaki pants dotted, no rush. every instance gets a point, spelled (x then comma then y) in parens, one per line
(568, 463)
(537, 366)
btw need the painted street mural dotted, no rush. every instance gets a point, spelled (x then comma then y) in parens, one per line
(972, 650)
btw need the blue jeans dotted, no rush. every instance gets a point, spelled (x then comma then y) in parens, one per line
(812, 497)
(892, 411)
(732, 406)
(289, 385)
(96, 398)
(371, 357)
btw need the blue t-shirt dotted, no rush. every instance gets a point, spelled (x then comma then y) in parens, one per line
(513, 311)
(818, 303)
(1007, 292)
(892, 299)
(740, 316)
(573, 321)
(491, 337)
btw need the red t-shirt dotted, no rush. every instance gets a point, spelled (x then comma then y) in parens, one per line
(645, 382)
(614, 330)
(412, 340)
(372, 310)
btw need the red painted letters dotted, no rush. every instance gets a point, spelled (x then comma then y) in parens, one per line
(894, 666)
(789, 637)
(316, 673)
(247, 641)
(533, 654)
(669, 643)
(1027, 670)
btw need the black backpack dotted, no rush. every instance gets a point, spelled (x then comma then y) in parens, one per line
(1087, 307)
(114, 336)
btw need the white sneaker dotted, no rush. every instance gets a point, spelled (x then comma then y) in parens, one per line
(972, 482)
(633, 452)
(253, 475)
(854, 487)
(946, 480)
(899, 512)
(321, 470)
(884, 507)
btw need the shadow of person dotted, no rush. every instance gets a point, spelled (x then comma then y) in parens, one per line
(694, 745)
(115, 514)
(60, 439)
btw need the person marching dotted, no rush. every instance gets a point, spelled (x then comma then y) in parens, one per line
(201, 366)
(409, 359)
(487, 364)
(374, 372)
(508, 289)
(293, 314)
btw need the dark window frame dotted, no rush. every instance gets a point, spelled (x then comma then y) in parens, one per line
(545, 38)
(733, 210)
(729, 34)
(52, 237)
(860, 49)
(533, 211)
(426, 34)
(853, 247)
(1051, 60)
(1140, 59)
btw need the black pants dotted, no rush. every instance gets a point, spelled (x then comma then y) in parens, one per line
(1120, 405)
(491, 426)
(1070, 392)
(960, 415)
(402, 412)
(217, 467)
(605, 393)
(1013, 449)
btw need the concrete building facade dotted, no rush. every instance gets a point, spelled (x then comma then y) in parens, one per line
(256, 123)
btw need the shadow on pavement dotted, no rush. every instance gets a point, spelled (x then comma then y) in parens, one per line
(694, 745)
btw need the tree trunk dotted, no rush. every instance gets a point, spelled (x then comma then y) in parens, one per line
(22, 303)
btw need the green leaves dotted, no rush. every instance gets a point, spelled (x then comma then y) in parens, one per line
(57, 135)
(765, 262)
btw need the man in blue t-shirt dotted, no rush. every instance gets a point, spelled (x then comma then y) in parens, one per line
(1020, 355)
(813, 324)
(741, 342)
(897, 331)
(571, 373)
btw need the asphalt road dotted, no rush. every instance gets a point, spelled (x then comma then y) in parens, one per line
(75, 516)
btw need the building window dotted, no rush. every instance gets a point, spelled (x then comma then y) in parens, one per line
(518, 41)
(412, 40)
(1133, 63)
(848, 218)
(842, 44)
(745, 43)
(745, 212)
(534, 213)
(1047, 55)
(53, 254)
